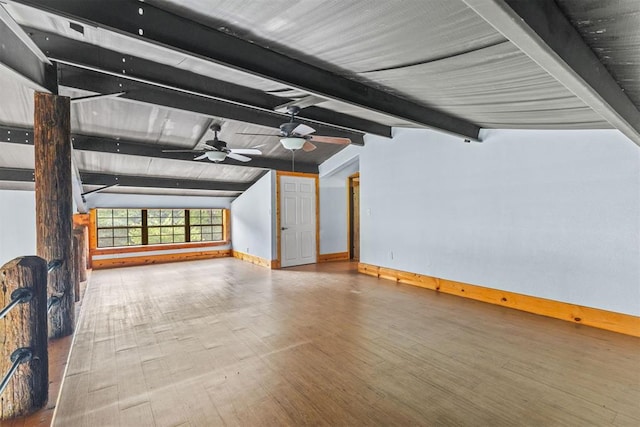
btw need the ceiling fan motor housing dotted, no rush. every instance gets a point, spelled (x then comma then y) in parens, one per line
(287, 128)
(219, 145)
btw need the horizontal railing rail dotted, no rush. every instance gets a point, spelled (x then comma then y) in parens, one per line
(54, 300)
(54, 265)
(19, 296)
(21, 355)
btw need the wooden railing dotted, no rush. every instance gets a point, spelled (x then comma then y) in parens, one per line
(26, 305)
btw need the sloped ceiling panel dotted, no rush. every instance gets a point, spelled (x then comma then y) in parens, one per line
(17, 185)
(496, 87)
(342, 107)
(441, 54)
(16, 105)
(19, 156)
(141, 166)
(119, 118)
(357, 36)
(610, 28)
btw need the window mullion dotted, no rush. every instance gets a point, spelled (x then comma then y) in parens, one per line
(145, 230)
(187, 226)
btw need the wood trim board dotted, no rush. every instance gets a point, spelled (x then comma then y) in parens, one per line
(336, 256)
(226, 224)
(598, 318)
(81, 219)
(152, 248)
(351, 182)
(253, 259)
(93, 233)
(158, 259)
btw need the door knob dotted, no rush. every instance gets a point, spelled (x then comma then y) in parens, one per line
(284, 228)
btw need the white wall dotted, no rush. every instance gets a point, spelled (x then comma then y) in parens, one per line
(17, 224)
(554, 214)
(333, 199)
(119, 200)
(252, 219)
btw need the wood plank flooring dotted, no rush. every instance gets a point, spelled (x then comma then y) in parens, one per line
(223, 342)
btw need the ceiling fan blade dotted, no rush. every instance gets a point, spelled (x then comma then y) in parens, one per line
(252, 151)
(238, 157)
(257, 134)
(303, 130)
(183, 151)
(204, 156)
(330, 140)
(308, 146)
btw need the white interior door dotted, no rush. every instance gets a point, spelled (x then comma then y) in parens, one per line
(297, 220)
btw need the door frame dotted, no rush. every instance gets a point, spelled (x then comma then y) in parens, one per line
(350, 179)
(277, 263)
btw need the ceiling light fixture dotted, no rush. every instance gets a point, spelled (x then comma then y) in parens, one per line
(216, 156)
(292, 143)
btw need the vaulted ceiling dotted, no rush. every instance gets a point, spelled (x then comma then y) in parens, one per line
(173, 68)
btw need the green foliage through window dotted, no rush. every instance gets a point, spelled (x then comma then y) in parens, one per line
(131, 227)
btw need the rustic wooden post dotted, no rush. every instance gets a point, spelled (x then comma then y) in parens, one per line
(79, 234)
(75, 244)
(25, 326)
(52, 149)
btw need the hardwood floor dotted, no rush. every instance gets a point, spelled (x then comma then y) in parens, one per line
(223, 342)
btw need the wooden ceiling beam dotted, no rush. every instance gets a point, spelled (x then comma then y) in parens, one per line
(94, 178)
(90, 56)
(121, 146)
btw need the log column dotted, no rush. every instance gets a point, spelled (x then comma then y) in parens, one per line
(54, 209)
(24, 327)
(79, 258)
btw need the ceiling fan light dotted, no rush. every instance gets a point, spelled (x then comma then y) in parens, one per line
(216, 156)
(292, 143)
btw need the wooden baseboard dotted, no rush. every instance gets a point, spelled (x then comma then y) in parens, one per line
(152, 248)
(255, 260)
(336, 256)
(611, 321)
(158, 259)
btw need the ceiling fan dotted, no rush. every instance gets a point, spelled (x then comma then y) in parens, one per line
(216, 150)
(295, 136)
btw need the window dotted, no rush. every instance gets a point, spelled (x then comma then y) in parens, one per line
(131, 227)
(119, 227)
(166, 226)
(205, 225)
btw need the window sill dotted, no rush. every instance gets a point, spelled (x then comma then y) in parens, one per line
(160, 247)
